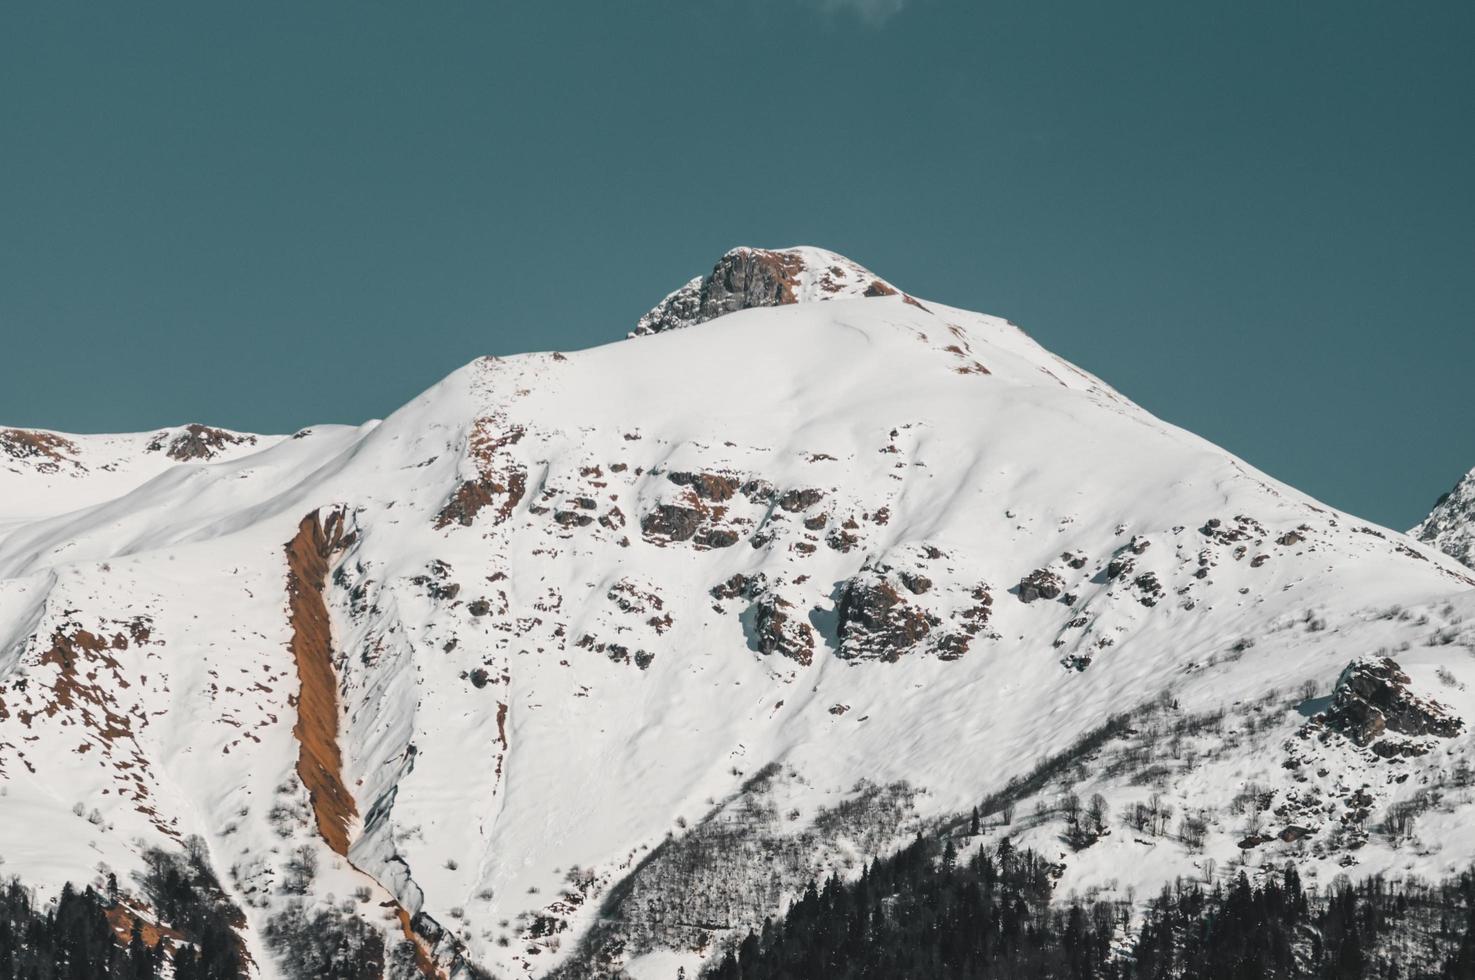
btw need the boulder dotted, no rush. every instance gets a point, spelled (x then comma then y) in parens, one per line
(672, 522)
(777, 630)
(1372, 698)
(877, 621)
(1040, 584)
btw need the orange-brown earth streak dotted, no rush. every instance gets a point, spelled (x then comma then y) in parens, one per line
(319, 762)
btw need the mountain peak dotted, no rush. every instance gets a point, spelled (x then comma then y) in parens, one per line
(746, 277)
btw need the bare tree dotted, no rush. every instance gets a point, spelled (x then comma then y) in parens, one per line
(1096, 813)
(301, 868)
(1070, 804)
(1164, 818)
(1193, 830)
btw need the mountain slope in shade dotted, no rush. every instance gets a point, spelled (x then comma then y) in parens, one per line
(586, 662)
(1450, 526)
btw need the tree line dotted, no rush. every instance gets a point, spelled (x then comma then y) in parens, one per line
(79, 936)
(926, 915)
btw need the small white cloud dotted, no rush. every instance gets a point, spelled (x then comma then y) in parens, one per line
(870, 11)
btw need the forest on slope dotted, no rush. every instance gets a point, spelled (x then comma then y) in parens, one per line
(927, 914)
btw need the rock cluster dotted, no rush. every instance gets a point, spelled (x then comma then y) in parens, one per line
(46, 449)
(1040, 584)
(1372, 699)
(878, 619)
(197, 442)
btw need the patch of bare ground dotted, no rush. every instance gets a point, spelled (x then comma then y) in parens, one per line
(319, 761)
(83, 691)
(122, 917)
(500, 482)
(44, 450)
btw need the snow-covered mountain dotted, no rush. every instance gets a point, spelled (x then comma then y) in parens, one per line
(584, 662)
(1450, 526)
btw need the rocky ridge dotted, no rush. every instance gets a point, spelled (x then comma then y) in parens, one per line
(1450, 526)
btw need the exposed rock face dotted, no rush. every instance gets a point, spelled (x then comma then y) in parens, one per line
(700, 513)
(877, 620)
(671, 522)
(781, 629)
(707, 486)
(197, 442)
(45, 450)
(500, 482)
(473, 495)
(745, 278)
(717, 537)
(778, 623)
(914, 602)
(1450, 526)
(1149, 589)
(436, 582)
(804, 498)
(1372, 698)
(736, 586)
(1039, 584)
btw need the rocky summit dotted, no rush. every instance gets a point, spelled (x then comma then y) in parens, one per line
(748, 278)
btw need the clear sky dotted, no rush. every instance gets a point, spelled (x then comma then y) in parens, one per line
(1254, 218)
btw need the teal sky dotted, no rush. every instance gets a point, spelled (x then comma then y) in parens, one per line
(1256, 219)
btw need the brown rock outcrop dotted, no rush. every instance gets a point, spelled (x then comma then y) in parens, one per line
(1372, 698)
(197, 442)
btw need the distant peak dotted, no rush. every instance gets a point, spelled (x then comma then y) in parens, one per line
(746, 277)
(196, 442)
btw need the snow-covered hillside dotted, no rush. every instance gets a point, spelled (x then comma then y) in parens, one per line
(47, 473)
(584, 661)
(1450, 526)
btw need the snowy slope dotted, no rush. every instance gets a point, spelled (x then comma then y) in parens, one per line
(46, 473)
(588, 659)
(1450, 526)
